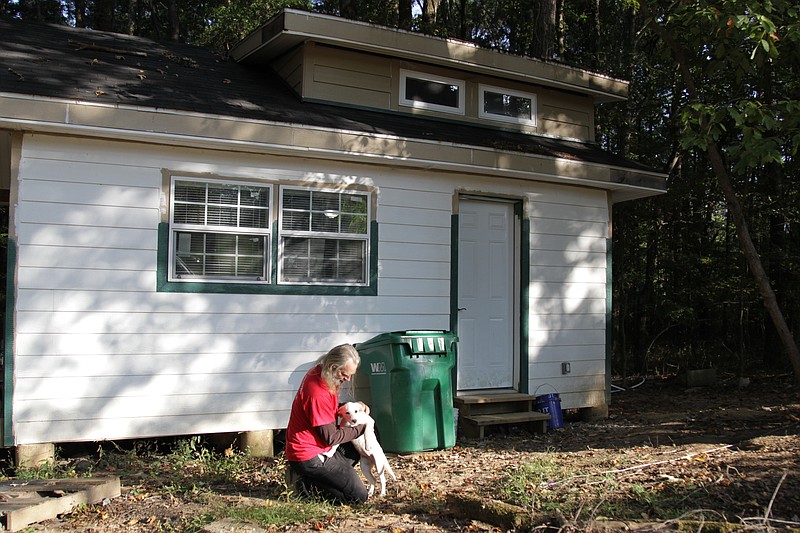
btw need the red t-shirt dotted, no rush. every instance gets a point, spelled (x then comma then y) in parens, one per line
(314, 405)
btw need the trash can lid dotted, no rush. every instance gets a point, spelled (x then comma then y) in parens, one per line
(417, 341)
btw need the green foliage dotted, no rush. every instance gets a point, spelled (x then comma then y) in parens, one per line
(736, 58)
(526, 485)
(274, 514)
(685, 296)
(229, 23)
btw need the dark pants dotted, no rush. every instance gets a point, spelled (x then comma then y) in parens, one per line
(335, 476)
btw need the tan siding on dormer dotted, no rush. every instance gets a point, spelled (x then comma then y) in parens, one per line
(290, 68)
(565, 122)
(371, 81)
(348, 77)
(566, 115)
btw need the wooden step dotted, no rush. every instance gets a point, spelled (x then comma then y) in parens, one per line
(24, 502)
(472, 426)
(493, 403)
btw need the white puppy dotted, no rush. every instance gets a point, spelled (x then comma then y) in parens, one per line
(372, 456)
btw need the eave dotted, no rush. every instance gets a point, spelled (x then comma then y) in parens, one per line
(215, 132)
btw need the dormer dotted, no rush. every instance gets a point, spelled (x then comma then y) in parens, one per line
(336, 61)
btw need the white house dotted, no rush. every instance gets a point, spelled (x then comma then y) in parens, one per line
(188, 233)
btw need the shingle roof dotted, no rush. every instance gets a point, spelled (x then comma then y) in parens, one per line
(78, 64)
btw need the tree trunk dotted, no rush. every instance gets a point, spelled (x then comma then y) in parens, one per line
(174, 21)
(429, 10)
(462, 33)
(80, 13)
(735, 209)
(543, 14)
(104, 15)
(561, 45)
(348, 9)
(404, 16)
(133, 19)
(595, 42)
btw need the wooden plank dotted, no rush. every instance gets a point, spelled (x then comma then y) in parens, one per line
(20, 512)
(492, 398)
(48, 485)
(507, 418)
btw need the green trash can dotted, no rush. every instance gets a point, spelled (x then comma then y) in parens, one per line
(409, 374)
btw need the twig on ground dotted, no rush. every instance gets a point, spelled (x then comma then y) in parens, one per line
(760, 521)
(772, 500)
(101, 48)
(766, 521)
(687, 516)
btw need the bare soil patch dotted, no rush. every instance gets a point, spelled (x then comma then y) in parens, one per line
(722, 454)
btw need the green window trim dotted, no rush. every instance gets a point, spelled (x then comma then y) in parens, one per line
(8, 366)
(164, 285)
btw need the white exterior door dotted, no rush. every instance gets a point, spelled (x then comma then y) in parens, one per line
(486, 289)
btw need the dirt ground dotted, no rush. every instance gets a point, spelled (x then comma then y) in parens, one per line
(739, 448)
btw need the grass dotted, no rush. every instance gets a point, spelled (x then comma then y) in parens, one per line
(189, 469)
(548, 485)
(279, 513)
(193, 469)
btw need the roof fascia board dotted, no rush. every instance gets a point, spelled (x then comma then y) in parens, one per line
(64, 117)
(290, 27)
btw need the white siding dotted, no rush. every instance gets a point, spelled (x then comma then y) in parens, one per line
(567, 306)
(99, 354)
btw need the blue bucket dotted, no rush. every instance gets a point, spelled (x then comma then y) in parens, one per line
(551, 404)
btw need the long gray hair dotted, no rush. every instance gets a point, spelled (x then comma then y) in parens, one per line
(336, 358)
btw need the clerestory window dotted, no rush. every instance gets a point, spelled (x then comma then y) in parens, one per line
(428, 91)
(507, 105)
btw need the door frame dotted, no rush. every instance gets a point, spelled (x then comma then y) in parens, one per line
(520, 292)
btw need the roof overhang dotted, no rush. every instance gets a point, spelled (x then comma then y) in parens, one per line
(235, 134)
(291, 28)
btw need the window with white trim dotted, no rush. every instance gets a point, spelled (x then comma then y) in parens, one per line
(324, 236)
(220, 231)
(428, 91)
(507, 105)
